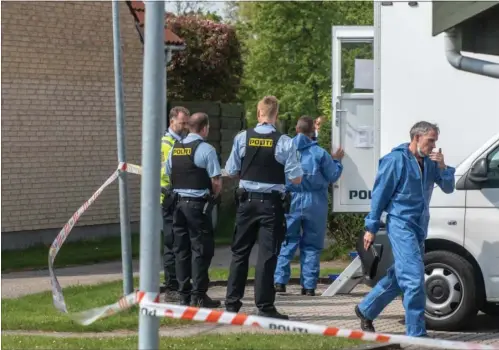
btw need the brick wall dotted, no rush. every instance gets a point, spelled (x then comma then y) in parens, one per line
(58, 112)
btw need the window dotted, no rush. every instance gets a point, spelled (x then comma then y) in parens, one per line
(493, 168)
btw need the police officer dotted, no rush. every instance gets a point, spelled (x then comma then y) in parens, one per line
(262, 158)
(176, 131)
(196, 180)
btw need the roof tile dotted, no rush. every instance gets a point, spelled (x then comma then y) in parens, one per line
(138, 11)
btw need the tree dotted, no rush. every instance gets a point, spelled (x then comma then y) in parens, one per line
(287, 50)
(210, 68)
(186, 7)
(231, 11)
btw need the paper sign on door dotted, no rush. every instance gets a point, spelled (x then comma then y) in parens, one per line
(364, 137)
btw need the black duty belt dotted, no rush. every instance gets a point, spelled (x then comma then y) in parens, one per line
(192, 199)
(259, 196)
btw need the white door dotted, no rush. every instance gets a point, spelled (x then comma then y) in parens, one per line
(482, 224)
(354, 126)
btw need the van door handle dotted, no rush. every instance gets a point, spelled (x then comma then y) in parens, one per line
(452, 222)
(337, 119)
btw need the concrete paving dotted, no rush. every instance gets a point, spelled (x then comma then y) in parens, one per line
(17, 284)
(332, 311)
(336, 311)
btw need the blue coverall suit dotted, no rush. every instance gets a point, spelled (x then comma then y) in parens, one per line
(404, 192)
(309, 208)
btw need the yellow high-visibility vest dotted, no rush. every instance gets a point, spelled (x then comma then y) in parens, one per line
(167, 143)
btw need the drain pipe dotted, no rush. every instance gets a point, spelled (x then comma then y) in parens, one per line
(452, 42)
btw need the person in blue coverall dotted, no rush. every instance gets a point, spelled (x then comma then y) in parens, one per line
(309, 208)
(403, 189)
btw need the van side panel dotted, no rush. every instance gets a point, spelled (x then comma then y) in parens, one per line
(418, 83)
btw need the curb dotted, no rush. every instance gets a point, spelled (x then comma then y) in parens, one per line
(251, 282)
(377, 347)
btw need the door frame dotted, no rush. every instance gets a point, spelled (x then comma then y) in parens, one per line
(345, 35)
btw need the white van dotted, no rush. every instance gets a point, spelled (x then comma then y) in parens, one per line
(411, 80)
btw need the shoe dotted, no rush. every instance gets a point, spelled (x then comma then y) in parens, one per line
(184, 300)
(235, 307)
(280, 288)
(231, 308)
(365, 324)
(273, 314)
(206, 301)
(308, 292)
(171, 296)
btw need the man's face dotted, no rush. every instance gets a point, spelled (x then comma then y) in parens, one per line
(179, 124)
(427, 142)
(318, 123)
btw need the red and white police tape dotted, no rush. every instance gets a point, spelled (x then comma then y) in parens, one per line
(57, 295)
(148, 302)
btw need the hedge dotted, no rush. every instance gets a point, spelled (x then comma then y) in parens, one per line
(210, 68)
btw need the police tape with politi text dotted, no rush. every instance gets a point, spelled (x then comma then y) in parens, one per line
(148, 302)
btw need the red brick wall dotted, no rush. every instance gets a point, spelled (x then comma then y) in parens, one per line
(58, 112)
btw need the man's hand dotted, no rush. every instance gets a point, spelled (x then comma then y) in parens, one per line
(338, 155)
(439, 158)
(368, 239)
(296, 180)
(216, 185)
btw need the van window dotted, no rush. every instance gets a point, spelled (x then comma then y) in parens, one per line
(493, 165)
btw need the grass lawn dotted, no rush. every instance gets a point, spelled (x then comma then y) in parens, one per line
(93, 251)
(36, 311)
(239, 341)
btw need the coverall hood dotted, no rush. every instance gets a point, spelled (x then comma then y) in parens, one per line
(302, 141)
(319, 169)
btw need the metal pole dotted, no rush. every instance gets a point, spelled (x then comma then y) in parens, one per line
(168, 58)
(126, 238)
(153, 112)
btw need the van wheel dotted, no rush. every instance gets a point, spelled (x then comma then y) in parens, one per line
(450, 291)
(491, 309)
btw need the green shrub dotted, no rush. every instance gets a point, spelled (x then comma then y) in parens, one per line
(211, 66)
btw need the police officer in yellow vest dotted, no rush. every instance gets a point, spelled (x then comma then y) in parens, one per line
(178, 117)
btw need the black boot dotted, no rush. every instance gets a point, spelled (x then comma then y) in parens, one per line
(230, 308)
(184, 302)
(272, 314)
(365, 324)
(308, 292)
(235, 307)
(171, 296)
(280, 288)
(205, 301)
